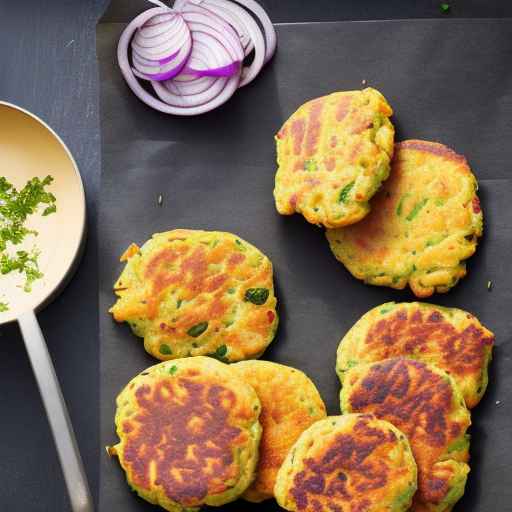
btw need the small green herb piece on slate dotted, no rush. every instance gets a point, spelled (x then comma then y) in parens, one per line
(444, 8)
(198, 329)
(165, 349)
(345, 191)
(257, 296)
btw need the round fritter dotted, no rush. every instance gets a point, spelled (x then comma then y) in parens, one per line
(425, 222)
(450, 338)
(333, 154)
(290, 403)
(350, 463)
(189, 433)
(425, 403)
(192, 293)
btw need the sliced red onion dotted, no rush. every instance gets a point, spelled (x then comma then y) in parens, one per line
(205, 43)
(193, 54)
(207, 49)
(234, 21)
(199, 19)
(243, 22)
(210, 33)
(250, 72)
(227, 86)
(161, 46)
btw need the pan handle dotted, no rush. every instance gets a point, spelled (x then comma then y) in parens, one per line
(67, 448)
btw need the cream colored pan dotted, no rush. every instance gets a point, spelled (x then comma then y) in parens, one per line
(29, 148)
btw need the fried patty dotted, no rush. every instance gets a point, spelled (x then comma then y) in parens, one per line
(349, 463)
(191, 293)
(424, 224)
(450, 338)
(333, 154)
(425, 403)
(189, 433)
(290, 403)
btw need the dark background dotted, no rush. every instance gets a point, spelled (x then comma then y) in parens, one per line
(48, 58)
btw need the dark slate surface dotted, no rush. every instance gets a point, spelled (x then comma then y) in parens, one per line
(447, 80)
(47, 51)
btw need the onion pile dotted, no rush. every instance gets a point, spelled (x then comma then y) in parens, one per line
(195, 55)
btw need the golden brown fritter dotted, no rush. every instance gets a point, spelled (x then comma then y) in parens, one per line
(333, 153)
(425, 403)
(189, 433)
(350, 463)
(190, 293)
(290, 403)
(424, 224)
(450, 338)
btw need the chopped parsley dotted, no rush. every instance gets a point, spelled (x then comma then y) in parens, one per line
(220, 354)
(444, 8)
(24, 263)
(15, 207)
(165, 349)
(4, 307)
(198, 329)
(257, 296)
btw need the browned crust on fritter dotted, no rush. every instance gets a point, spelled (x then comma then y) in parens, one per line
(182, 427)
(462, 353)
(358, 453)
(434, 148)
(419, 402)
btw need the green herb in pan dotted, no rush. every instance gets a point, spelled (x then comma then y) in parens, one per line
(15, 208)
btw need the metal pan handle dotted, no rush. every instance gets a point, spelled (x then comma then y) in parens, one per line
(58, 417)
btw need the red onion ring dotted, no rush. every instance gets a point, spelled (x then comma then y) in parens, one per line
(162, 54)
(166, 70)
(250, 72)
(266, 23)
(207, 48)
(242, 21)
(234, 21)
